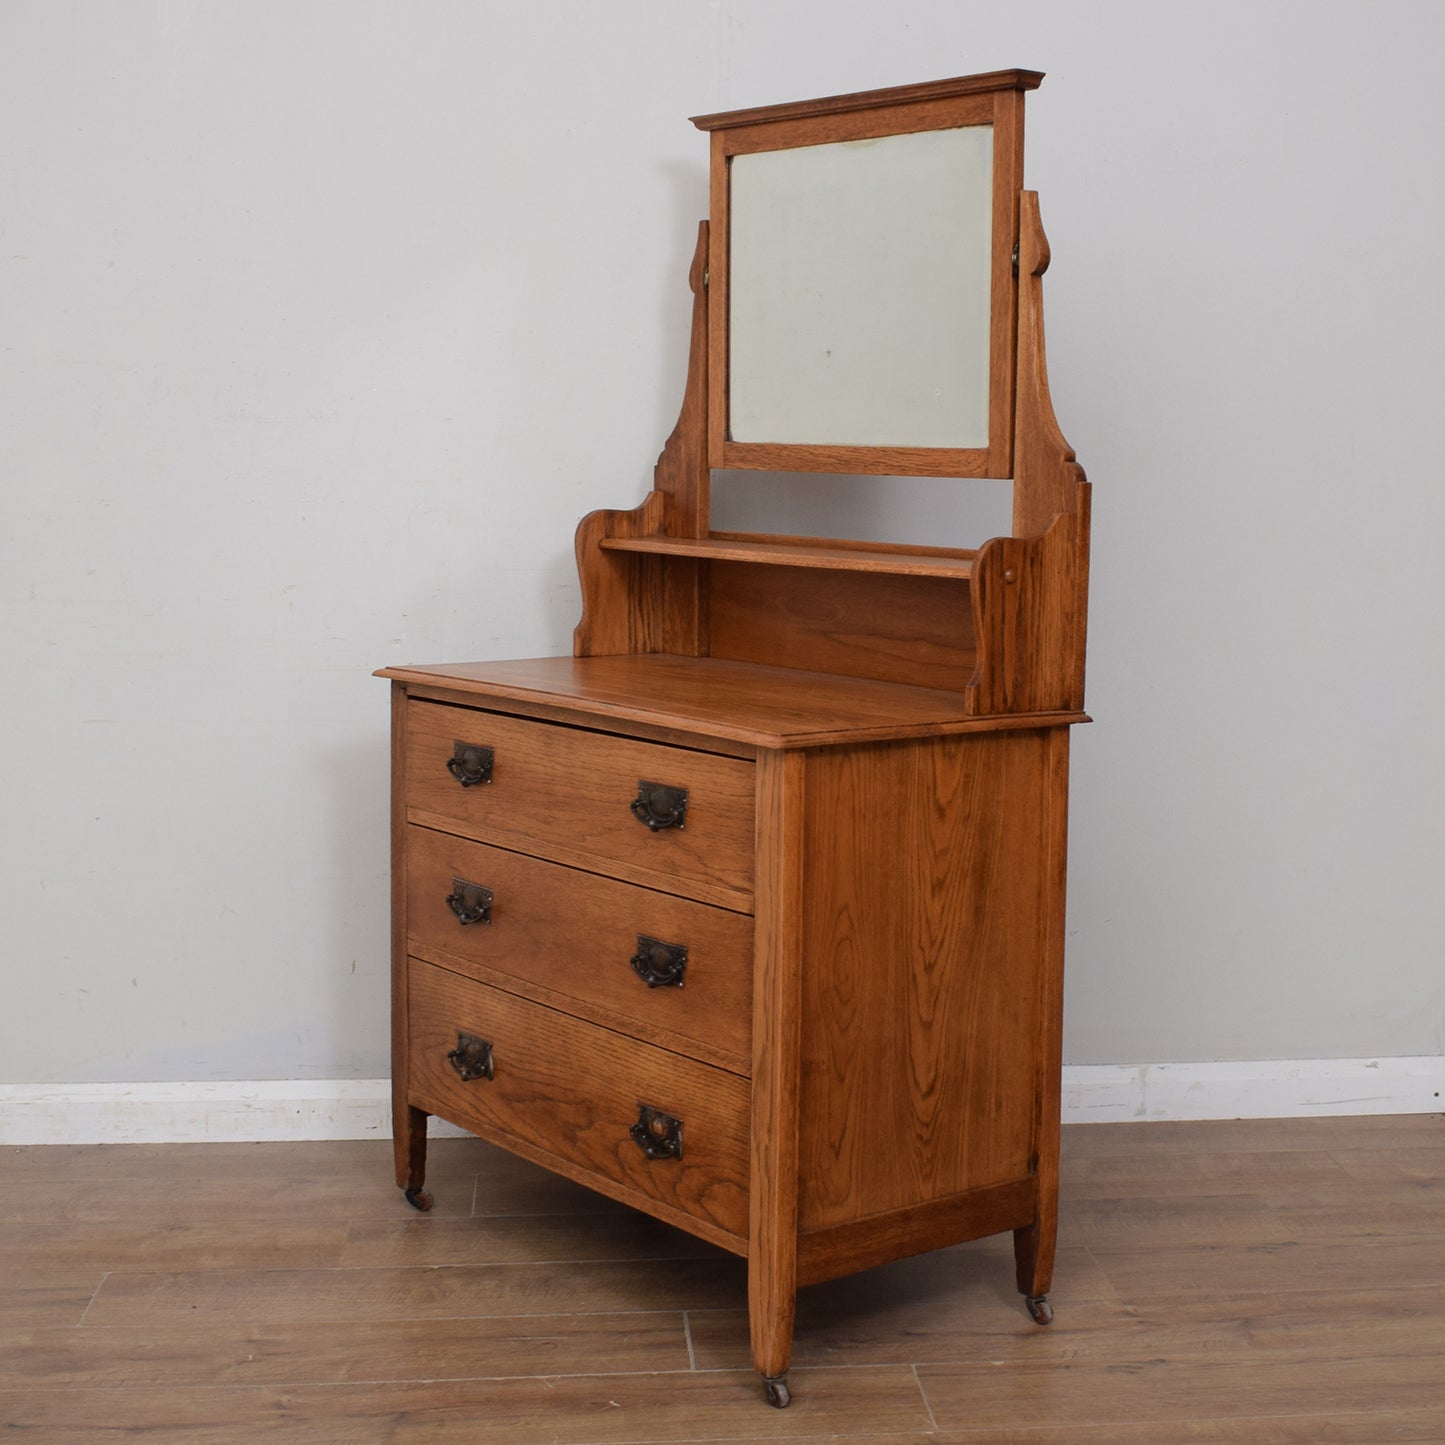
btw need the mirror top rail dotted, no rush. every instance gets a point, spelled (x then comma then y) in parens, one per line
(960, 85)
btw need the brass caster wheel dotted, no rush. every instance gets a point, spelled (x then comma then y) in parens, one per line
(776, 1389)
(1039, 1308)
(419, 1199)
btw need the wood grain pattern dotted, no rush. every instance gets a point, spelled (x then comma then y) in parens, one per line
(577, 957)
(572, 1092)
(1034, 1244)
(1023, 596)
(595, 1409)
(682, 474)
(871, 99)
(164, 1356)
(566, 793)
(136, 1301)
(408, 1127)
(1163, 1393)
(1048, 481)
(777, 1034)
(915, 631)
(924, 926)
(714, 698)
(831, 557)
(830, 1251)
(627, 602)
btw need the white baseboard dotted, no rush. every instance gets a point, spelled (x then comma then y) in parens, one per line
(245, 1111)
(1254, 1089)
(252, 1111)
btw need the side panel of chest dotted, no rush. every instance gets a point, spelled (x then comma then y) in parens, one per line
(934, 869)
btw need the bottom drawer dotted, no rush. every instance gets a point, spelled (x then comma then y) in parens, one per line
(597, 1101)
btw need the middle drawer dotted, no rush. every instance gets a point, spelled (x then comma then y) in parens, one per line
(664, 968)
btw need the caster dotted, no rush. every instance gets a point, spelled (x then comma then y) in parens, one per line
(775, 1387)
(1039, 1308)
(419, 1199)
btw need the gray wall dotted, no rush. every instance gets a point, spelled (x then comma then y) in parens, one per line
(323, 323)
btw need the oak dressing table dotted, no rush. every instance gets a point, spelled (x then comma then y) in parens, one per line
(750, 913)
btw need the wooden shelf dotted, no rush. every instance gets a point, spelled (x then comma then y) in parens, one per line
(795, 552)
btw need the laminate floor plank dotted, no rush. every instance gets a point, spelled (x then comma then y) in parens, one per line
(341, 1352)
(1145, 1221)
(627, 1409)
(509, 1239)
(1317, 1266)
(1261, 1281)
(1171, 1393)
(1369, 1427)
(460, 1292)
(1364, 1210)
(1377, 1167)
(217, 1182)
(72, 1254)
(1210, 1172)
(24, 1303)
(1294, 1326)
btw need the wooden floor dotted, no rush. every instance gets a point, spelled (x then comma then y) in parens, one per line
(1253, 1282)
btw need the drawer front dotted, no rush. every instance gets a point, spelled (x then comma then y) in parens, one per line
(575, 1091)
(577, 935)
(568, 794)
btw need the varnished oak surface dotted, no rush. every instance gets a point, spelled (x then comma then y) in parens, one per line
(565, 793)
(759, 705)
(578, 958)
(1261, 1282)
(867, 99)
(903, 563)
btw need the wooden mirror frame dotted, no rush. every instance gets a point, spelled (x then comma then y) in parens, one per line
(995, 99)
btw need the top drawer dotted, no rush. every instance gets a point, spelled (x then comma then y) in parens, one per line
(586, 799)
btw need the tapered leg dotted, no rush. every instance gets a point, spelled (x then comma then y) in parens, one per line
(1034, 1264)
(409, 1130)
(1034, 1245)
(773, 1178)
(772, 1292)
(408, 1125)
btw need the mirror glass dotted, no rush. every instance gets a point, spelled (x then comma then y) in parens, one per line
(858, 310)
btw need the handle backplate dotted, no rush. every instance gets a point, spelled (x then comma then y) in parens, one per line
(658, 805)
(659, 964)
(657, 1134)
(472, 1058)
(470, 902)
(470, 764)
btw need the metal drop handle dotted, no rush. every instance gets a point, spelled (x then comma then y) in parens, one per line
(472, 1058)
(658, 806)
(470, 764)
(470, 902)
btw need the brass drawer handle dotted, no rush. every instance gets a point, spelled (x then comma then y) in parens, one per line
(470, 764)
(472, 1058)
(658, 1135)
(658, 964)
(470, 902)
(660, 806)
